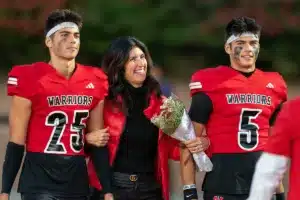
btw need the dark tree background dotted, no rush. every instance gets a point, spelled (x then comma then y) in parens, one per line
(181, 35)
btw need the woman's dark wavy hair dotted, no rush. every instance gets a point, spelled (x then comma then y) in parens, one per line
(113, 64)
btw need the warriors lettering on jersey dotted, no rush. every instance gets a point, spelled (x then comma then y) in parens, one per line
(240, 98)
(62, 100)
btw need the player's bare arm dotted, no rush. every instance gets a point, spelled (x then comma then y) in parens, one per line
(201, 143)
(187, 165)
(193, 146)
(97, 134)
(19, 116)
(201, 107)
(98, 137)
(200, 110)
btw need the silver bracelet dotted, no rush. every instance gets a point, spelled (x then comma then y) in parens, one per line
(186, 187)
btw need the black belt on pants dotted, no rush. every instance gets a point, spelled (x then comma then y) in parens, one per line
(141, 181)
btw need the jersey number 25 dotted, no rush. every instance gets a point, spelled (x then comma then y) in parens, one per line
(58, 120)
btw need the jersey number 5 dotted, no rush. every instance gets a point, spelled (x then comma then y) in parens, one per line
(58, 120)
(248, 130)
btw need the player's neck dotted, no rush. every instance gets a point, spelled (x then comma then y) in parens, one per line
(63, 67)
(243, 69)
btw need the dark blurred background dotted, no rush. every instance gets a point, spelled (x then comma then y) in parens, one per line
(182, 35)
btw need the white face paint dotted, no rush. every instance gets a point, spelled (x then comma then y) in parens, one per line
(243, 50)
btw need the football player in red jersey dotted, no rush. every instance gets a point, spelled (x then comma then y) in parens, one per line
(282, 146)
(235, 106)
(53, 105)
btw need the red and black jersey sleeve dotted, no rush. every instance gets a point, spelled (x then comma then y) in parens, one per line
(20, 82)
(102, 84)
(280, 87)
(206, 80)
(280, 93)
(202, 83)
(196, 82)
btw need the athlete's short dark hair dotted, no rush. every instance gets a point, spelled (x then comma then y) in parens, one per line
(60, 16)
(240, 25)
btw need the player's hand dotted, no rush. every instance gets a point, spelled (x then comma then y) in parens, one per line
(98, 138)
(4, 196)
(108, 196)
(197, 145)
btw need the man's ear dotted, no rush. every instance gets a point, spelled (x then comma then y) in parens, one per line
(227, 48)
(48, 42)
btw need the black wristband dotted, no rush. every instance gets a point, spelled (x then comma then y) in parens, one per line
(190, 194)
(100, 158)
(13, 159)
(280, 196)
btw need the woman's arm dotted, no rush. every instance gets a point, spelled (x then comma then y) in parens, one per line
(100, 154)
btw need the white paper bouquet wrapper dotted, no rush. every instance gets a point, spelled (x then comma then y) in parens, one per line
(174, 121)
(186, 132)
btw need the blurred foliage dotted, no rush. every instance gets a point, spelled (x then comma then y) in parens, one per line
(182, 36)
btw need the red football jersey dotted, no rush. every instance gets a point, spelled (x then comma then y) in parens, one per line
(60, 107)
(242, 107)
(285, 141)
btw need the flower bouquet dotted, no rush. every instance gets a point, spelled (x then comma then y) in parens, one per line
(174, 121)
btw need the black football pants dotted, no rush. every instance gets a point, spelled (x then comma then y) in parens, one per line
(29, 196)
(210, 196)
(129, 194)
